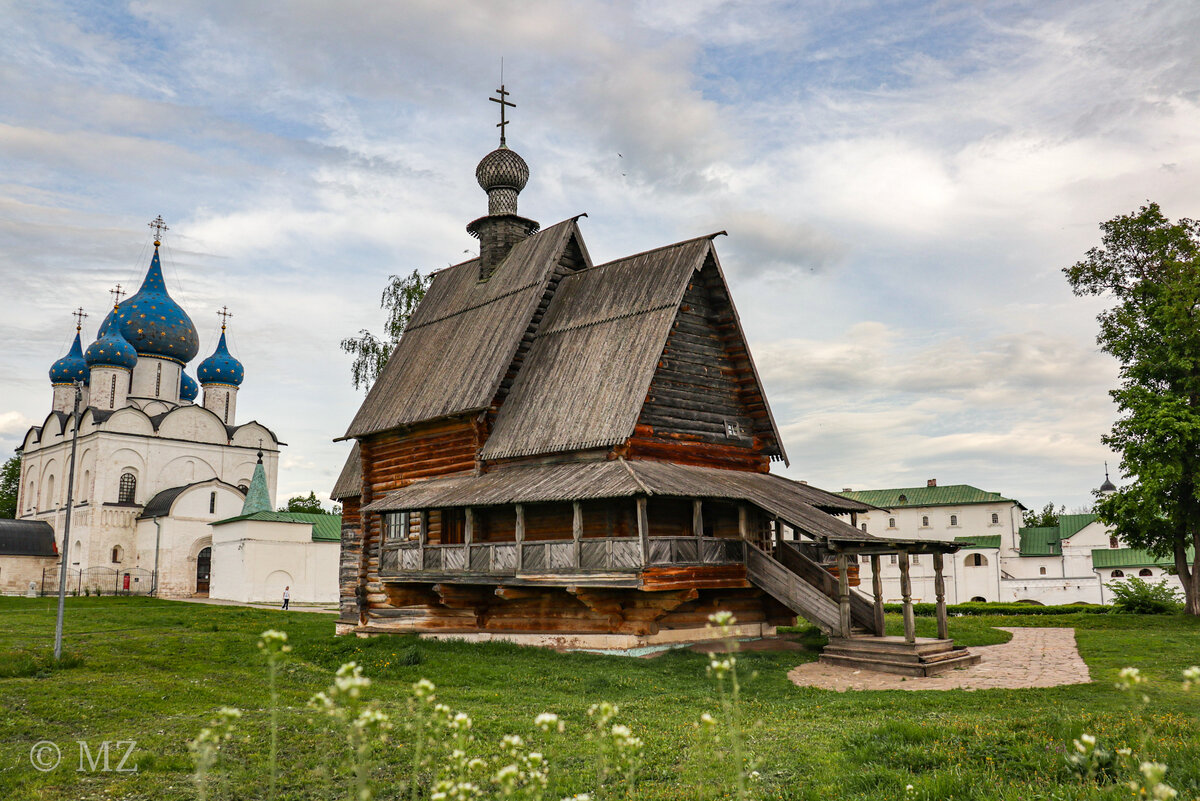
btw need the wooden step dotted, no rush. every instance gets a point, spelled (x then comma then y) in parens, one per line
(892, 644)
(948, 662)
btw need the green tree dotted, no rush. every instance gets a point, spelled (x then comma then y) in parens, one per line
(1151, 268)
(400, 299)
(1047, 518)
(10, 484)
(304, 503)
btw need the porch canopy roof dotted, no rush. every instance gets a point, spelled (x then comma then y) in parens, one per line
(804, 507)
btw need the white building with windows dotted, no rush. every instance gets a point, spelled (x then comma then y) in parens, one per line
(155, 464)
(1001, 560)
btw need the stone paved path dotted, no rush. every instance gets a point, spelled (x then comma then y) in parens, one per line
(1034, 657)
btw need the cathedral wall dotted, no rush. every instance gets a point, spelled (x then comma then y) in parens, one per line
(18, 572)
(156, 378)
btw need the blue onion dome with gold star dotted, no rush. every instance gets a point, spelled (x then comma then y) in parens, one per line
(189, 390)
(110, 348)
(72, 367)
(154, 323)
(221, 367)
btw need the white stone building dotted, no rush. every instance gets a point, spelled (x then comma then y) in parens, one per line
(153, 468)
(1000, 560)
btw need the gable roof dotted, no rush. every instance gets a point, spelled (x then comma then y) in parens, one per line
(26, 538)
(325, 528)
(349, 481)
(1128, 557)
(462, 337)
(1047, 540)
(949, 495)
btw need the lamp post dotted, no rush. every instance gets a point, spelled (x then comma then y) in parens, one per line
(62, 573)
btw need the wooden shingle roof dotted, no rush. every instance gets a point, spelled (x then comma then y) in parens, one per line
(462, 337)
(349, 481)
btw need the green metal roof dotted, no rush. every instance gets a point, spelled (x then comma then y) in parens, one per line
(949, 495)
(325, 528)
(1041, 541)
(1047, 540)
(1128, 557)
(986, 541)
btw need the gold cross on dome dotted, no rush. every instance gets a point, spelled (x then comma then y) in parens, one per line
(79, 315)
(224, 314)
(117, 294)
(159, 226)
(503, 101)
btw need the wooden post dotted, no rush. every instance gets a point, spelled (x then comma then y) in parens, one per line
(778, 535)
(577, 532)
(743, 523)
(422, 537)
(910, 623)
(643, 524)
(939, 589)
(520, 537)
(877, 590)
(697, 518)
(468, 536)
(854, 519)
(843, 566)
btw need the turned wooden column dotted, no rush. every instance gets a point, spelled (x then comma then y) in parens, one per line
(697, 519)
(843, 568)
(910, 623)
(577, 532)
(643, 525)
(877, 591)
(939, 588)
(468, 535)
(422, 537)
(520, 537)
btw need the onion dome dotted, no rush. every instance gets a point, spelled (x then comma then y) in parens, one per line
(110, 348)
(221, 367)
(189, 390)
(1107, 486)
(502, 174)
(154, 323)
(72, 367)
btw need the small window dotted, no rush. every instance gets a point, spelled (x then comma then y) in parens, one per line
(1117, 574)
(1145, 572)
(733, 429)
(995, 518)
(116, 554)
(397, 525)
(891, 522)
(1041, 571)
(126, 488)
(864, 526)
(916, 558)
(892, 559)
(978, 599)
(1112, 543)
(954, 520)
(244, 488)
(212, 503)
(158, 382)
(976, 560)
(924, 521)
(903, 499)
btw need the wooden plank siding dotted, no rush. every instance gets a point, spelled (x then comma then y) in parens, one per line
(703, 384)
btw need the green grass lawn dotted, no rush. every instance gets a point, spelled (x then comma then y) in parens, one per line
(156, 671)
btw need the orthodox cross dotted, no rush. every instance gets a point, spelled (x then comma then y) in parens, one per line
(159, 226)
(503, 101)
(117, 294)
(224, 314)
(79, 315)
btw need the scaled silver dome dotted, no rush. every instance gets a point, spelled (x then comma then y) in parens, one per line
(502, 169)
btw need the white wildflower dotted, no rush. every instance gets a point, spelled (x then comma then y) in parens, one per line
(1129, 677)
(547, 721)
(1191, 676)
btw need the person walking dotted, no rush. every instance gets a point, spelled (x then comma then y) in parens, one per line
(287, 596)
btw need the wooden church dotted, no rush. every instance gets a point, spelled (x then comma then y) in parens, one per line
(577, 454)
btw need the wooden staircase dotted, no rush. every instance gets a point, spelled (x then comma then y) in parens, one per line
(925, 657)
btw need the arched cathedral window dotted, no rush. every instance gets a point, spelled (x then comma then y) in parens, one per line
(127, 488)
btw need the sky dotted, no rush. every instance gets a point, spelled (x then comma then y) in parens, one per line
(902, 184)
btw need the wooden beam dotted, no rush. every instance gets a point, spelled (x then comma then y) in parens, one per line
(698, 518)
(577, 532)
(877, 592)
(910, 623)
(939, 589)
(520, 537)
(843, 566)
(643, 525)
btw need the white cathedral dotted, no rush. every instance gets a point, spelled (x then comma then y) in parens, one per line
(154, 467)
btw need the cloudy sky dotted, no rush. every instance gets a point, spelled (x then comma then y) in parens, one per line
(902, 184)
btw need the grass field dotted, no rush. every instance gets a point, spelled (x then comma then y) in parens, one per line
(156, 671)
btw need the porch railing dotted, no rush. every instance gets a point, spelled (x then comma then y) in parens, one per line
(588, 555)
